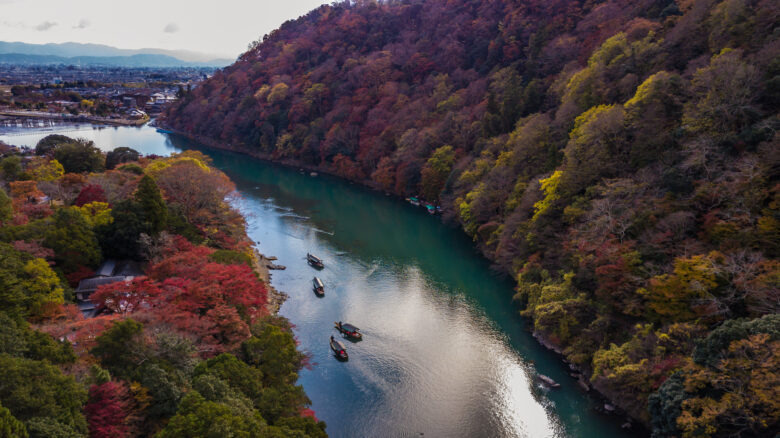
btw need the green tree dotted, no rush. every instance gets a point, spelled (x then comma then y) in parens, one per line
(435, 172)
(121, 155)
(47, 144)
(237, 374)
(27, 285)
(166, 386)
(11, 167)
(80, 156)
(45, 427)
(10, 427)
(273, 351)
(18, 339)
(33, 389)
(118, 347)
(6, 207)
(198, 417)
(152, 204)
(665, 406)
(74, 243)
(119, 238)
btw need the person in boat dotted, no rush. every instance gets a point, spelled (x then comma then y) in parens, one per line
(331, 338)
(339, 325)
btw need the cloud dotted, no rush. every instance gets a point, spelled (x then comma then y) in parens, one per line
(46, 25)
(171, 28)
(83, 24)
(12, 23)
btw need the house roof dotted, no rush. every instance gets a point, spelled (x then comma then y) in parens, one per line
(113, 268)
(90, 284)
(106, 269)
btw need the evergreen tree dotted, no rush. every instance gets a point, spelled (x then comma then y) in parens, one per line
(10, 427)
(72, 239)
(6, 208)
(152, 204)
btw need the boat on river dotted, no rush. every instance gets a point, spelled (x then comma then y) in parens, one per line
(314, 261)
(318, 287)
(548, 381)
(349, 330)
(414, 201)
(338, 349)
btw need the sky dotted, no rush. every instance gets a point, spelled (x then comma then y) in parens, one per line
(220, 27)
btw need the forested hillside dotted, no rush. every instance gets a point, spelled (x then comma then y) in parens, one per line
(619, 158)
(186, 346)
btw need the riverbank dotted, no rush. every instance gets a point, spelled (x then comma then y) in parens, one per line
(260, 263)
(69, 118)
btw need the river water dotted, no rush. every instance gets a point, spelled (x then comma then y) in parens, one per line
(444, 352)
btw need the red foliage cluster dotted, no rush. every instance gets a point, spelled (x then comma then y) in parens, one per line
(212, 302)
(90, 193)
(109, 406)
(35, 249)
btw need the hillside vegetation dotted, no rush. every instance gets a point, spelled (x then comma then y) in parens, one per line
(190, 349)
(619, 158)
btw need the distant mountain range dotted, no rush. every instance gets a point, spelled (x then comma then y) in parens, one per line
(98, 54)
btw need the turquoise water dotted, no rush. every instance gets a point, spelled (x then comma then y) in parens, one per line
(444, 353)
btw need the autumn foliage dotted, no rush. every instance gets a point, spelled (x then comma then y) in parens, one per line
(137, 357)
(619, 158)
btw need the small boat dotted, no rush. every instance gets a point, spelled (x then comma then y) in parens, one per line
(431, 209)
(318, 287)
(314, 261)
(338, 349)
(547, 381)
(349, 330)
(164, 131)
(414, 201)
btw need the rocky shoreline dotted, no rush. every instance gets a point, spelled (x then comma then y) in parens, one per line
(261, 263)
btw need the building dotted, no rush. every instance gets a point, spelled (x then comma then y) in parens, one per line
(111, 271)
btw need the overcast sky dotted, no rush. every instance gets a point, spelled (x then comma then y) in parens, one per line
(220, 27)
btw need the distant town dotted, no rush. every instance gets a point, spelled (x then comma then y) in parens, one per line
(111, 95)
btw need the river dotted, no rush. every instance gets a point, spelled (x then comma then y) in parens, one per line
(444, 354)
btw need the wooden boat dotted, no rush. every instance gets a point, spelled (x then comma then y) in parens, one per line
(314, 261)
(338, 349)
(547, 381)
(414, 201)
(318, 287)
(349, 330)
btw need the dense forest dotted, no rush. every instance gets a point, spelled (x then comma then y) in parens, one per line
(620, 158)
(190, 348)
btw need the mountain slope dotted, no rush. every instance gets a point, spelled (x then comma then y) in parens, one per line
(115, 61)
(67, 53)
(619, 158)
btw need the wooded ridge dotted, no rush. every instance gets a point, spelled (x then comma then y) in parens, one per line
(619, 158)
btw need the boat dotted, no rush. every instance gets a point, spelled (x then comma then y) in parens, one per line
(547, 381)
(431, 208)
(349, 330)
(164, 131)
(318, 287)
(414, 201)
(338, 349)
(314, 261)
